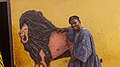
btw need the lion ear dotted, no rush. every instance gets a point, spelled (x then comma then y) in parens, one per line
(40, 13)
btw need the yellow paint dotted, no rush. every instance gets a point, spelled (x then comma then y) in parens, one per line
(101, 17)
(1, 61)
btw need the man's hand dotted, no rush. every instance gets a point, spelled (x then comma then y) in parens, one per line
(61, 30)
(73, 58)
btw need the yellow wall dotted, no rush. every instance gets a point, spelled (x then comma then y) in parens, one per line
(101, 17)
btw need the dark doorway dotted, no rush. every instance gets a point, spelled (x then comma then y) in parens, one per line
(6, 34)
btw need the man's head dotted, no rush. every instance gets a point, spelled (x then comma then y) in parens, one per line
(75, 23)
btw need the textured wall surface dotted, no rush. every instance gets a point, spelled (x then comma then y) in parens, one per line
(1, 61)
(101, 17)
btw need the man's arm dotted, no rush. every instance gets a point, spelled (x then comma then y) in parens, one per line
(84, 49)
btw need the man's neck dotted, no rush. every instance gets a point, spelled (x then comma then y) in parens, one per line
(79, 29)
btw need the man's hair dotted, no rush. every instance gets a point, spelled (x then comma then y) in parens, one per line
(74, 17)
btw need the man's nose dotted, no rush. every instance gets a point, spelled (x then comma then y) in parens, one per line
(73, 25)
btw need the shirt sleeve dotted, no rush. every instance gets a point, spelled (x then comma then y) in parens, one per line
(83, 49)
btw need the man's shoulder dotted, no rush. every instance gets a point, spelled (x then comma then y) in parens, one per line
(85, 32)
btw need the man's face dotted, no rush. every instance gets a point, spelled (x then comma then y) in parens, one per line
(23, 33)
(75, 24)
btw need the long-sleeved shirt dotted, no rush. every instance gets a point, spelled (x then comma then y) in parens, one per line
(84, 54)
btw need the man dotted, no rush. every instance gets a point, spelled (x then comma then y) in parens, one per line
(83, 54)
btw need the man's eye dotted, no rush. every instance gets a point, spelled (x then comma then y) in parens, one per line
(25, 29)
(75, 22)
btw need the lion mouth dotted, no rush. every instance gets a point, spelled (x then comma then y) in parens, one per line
(24, 38)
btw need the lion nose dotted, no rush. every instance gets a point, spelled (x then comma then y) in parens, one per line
(20, 33)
